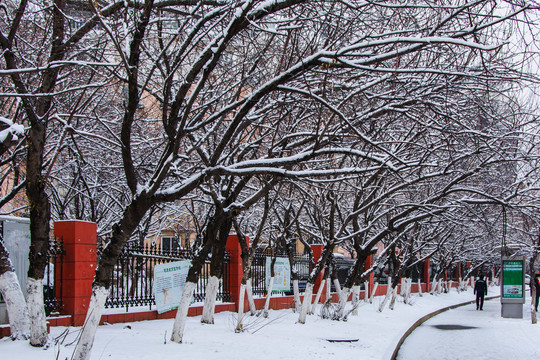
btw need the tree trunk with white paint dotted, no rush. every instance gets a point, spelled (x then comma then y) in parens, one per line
(356, 298)
(19, 320)
(36, 312)
(317, 298)
(387, 296)
(420, 288)
(268, 297)
(210, 300)
(337, 286)
(372, 295)
(181, 315)
(450, 282)
(93, 316)
(343, 296)
(393, 299)
(296, 292)
(328, 289)
(239, 324)
(306, 304)
(251, 301)
(366, 291)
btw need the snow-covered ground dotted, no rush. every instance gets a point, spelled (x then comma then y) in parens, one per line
(280, 337)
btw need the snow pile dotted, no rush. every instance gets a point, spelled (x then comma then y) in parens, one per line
(13, 130)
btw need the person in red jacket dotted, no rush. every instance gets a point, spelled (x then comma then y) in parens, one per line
(536, 283)
(480, 289)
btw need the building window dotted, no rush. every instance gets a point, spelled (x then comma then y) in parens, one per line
(169, 243)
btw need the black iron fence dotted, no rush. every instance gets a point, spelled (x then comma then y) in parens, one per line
(132, 282)
(52, 281)
(258, 271)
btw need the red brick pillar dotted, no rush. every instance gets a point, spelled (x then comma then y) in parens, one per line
(235, 266)
(79, 266)
(368, 264)
(427, 274)
(317, 253)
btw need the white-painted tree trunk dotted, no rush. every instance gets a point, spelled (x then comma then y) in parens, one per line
(366, 291)
(433, 287)
(407, 290)
(306, 304)
(317, 298)
(328, 289)
(19, 319)
(356, 298)
(181, 315)
(239, 324)
(251, 301)
(440, 287)
(387, 296)
(343, 296)
(268, 297)
(210, 300)
(420, 288)
(93, 316)
(36, 312)
(372, 295)
(296, 292)
(337, 287)
(450, 285)
(393, 300)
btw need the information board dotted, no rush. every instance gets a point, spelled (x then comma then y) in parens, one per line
(169, 281)
(282, 274)
(512, 279)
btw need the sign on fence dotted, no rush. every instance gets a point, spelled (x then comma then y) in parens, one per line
(169, 281)
(282, 274)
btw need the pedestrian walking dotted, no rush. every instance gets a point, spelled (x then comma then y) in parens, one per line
(480, 289)
(536, 284)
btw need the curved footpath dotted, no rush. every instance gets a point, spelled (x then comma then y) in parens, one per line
(461, 332)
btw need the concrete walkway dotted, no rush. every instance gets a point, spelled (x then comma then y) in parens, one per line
(465, 333)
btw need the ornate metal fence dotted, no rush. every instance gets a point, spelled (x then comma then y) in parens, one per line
(52, 282)
(133, 277)
(258, 271)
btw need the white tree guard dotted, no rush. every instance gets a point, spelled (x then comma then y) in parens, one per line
(241, 297)
(251, 301)
(317, 298)
(268, 297)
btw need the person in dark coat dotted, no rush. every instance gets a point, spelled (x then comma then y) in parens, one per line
(480, 289)
(536, 283)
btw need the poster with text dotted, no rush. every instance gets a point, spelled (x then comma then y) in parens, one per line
(169, 281)
(282, 272)
(512, 279)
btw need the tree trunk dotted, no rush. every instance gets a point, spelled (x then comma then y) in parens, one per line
(251, 301)
(93, 316)
(240, 317)
(356, 298)
(533, 304)
(318, 297)
(181, 315)
(210, 300)
(372, 295)
(306, 305)
(420, 288)
(393, 300)
(268, 296)
(19, 321)
(387, 296)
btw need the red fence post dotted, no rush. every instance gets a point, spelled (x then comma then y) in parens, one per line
(427, 275)
(317, 253)
(367, 266)
(79, 266)
(236, 270)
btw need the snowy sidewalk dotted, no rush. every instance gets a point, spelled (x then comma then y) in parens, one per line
(280, 337)
(465, 333)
